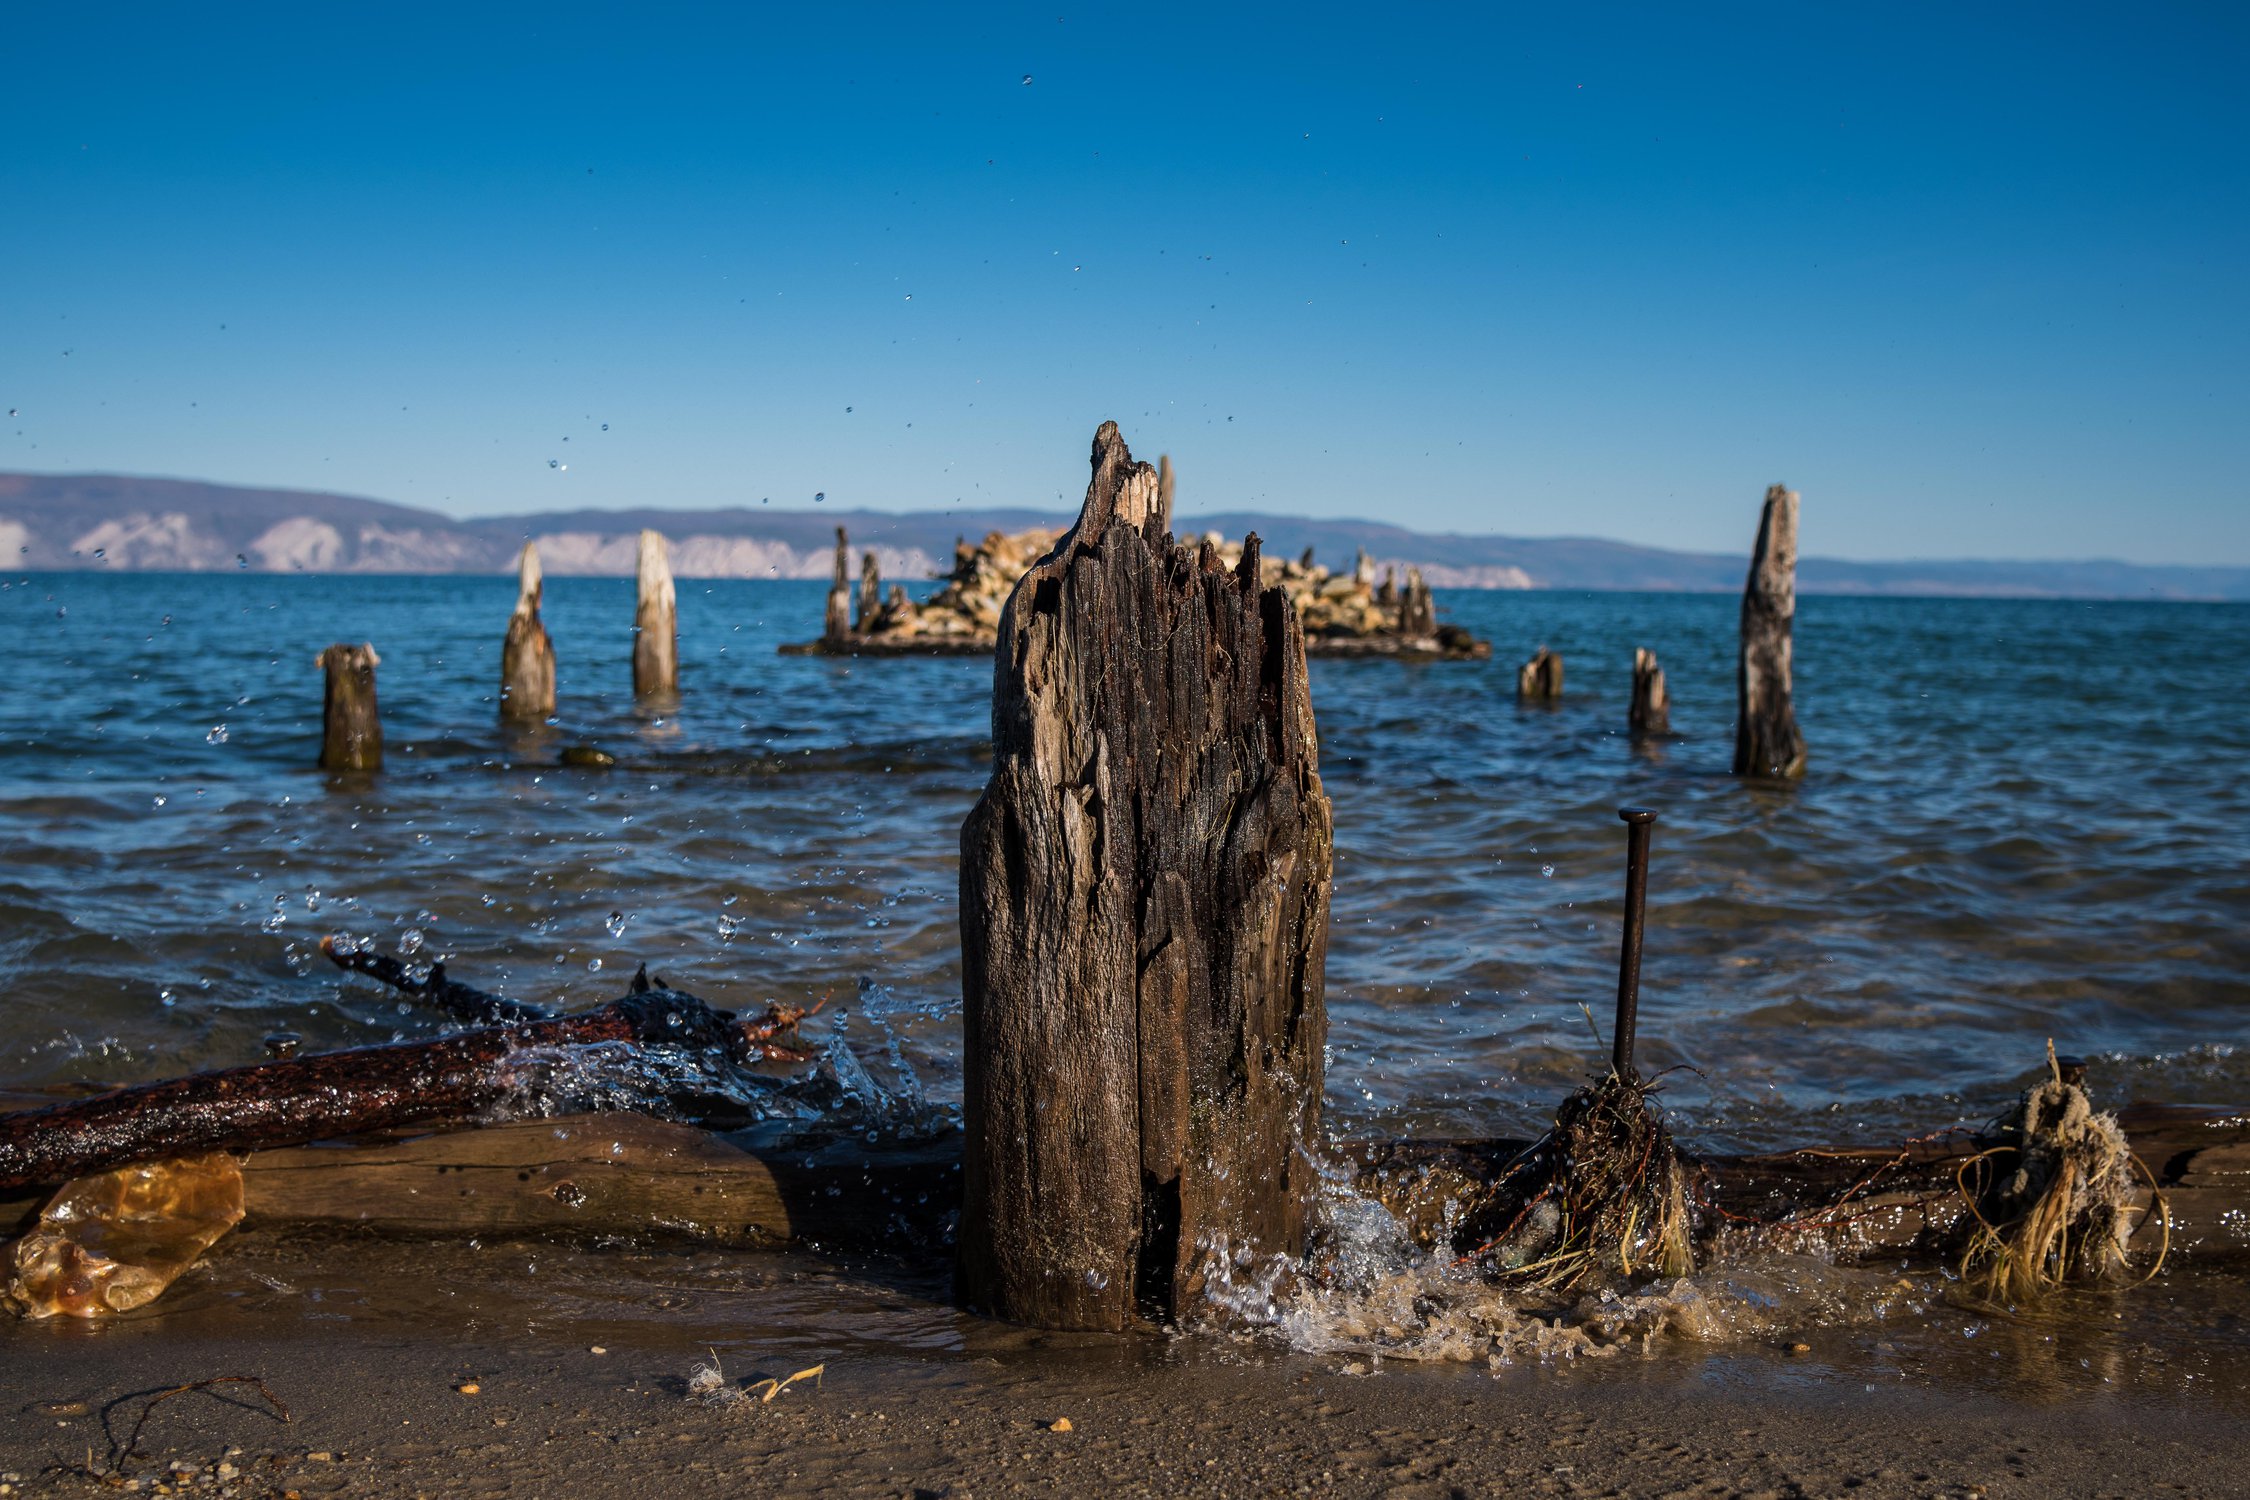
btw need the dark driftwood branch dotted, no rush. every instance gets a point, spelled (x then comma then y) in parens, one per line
(335, 1094)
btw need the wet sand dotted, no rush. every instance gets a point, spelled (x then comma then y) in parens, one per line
(369, 1345)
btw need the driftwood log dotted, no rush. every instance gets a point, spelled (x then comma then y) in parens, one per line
(1540, 679)
(656, 621)
(1766, 740)
(1651, 713)
(351, 730)
(670, 1046)
(527, 657)
(1144, 911)
(836, 628)
(631, 1176)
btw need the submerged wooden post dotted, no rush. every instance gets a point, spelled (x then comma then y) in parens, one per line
(1145, 890)
(837, 629)
(1766, 740)
(656, 622)
(351, 731)
(870, 590)
(527, 657)
(1652, 704)
(1539, 680)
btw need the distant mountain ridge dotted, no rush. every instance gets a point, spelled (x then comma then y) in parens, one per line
(59, 521)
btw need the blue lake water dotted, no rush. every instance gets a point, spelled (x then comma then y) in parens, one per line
(2023, 820)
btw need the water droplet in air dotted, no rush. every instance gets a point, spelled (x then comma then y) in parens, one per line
(617, 924)
(410, 941)
(1027, 80)
(101, 552)
(593, 966)
(817, 499)
(241, 561)
(554, 463)
(217, 735)
(1547, 870)
(159, 799)
(605, 427)
(728, 927)
(847, 411)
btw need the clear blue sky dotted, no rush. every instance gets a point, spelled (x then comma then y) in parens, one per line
(1975, 279)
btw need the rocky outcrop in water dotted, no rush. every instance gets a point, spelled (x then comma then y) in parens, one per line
(1343, 614)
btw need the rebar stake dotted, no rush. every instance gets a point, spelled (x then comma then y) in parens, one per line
(1637, 823)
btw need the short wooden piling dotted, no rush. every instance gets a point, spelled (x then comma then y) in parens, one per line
(527, 657)
(837, 629)
(870, 590)
(1767, 742)
(1651, 715)
(351, 730)
(1145, 889)
(656, 622)
(1417, 611)
(1540, 679)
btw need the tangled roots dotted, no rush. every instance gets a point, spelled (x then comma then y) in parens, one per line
(1604, 1191)
(2051, 1203)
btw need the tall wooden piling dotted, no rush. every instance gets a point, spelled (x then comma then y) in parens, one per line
(656, 622)
(527, 657)
(1540, 679)
(870, 590)
(837, 629)
(351, 730)
(1651, 715)
(1145, 890)
(1766, 739)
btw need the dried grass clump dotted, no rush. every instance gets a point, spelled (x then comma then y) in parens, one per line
(707, 1383)
(1603, 1191)
(2051, 1203)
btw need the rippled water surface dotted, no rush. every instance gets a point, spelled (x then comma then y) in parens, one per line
(2023, 820)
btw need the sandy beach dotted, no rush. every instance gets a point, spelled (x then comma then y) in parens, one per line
(581, 1360)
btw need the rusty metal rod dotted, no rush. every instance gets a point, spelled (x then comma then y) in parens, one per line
(1637, 823)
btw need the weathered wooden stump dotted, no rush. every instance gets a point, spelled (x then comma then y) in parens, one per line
(1539, 680)
(527, 657)
(870, 591)
(1766, 740)
(836, 630)
(1417, 611)
(656, 622)
(1651, 715)
(1145, 890)
(351, 731)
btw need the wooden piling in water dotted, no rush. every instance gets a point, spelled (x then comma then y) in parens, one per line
(1540, 679)
(527, 656)
(1417, 611)
(656, 622)
(836, 630)
(351, 731)
(870, 590)
(1767, 742)
(1145, 889)
(1651, 714)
